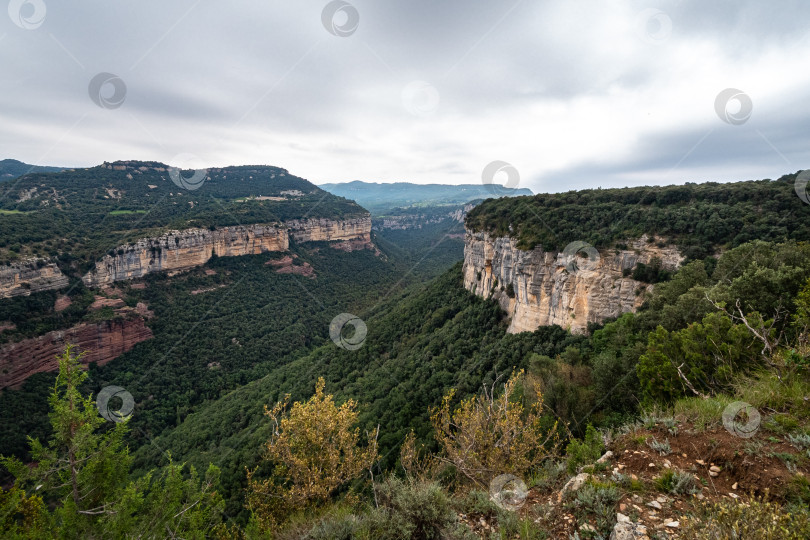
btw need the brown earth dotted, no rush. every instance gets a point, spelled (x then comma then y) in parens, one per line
(747, 467)
(62, 303)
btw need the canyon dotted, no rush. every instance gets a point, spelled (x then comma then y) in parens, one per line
(570, 288)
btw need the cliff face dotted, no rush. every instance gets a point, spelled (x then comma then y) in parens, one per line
(181, 250)
(315, 230)
(101, 343)
(26, 277)
(561, 288)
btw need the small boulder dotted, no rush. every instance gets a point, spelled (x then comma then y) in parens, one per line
(604, 459)
(628, 531)
(573, 485)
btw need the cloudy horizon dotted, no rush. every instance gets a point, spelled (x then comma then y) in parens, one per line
(573, 95)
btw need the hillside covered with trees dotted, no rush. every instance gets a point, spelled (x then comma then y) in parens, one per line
(699, 218)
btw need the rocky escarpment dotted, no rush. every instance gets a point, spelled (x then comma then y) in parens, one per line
(30, 276)
(417, 220)
(538, 288)
(327, 230)
(180, 250)
(101, 342)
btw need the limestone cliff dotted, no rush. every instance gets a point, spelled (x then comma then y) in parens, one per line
(101, 342)
(315, 230)
(180, 250)
(565, 288)
(29, 276)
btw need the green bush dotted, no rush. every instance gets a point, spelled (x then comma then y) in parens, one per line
(677, 482)
(408, 510)
(596, 501)
(580, 453)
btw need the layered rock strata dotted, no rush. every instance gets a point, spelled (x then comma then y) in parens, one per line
(538, 288)
(101, 342)
(30, 276)
(180, 250)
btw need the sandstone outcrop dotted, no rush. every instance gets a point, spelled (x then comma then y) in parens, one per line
(30, 276)
(101, 342)
(180, 250)
(538, 288)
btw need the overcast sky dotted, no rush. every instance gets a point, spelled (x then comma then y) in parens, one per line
(571, 93)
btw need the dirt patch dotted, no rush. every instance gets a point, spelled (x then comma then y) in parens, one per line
(7, 325)
(138, 286)
(112, 292)
(285, 265)
(209, 272)
(62, 303)
(143, 310)
(207, 289)
(101, 302)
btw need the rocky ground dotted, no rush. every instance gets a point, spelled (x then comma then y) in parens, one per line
(653, 479)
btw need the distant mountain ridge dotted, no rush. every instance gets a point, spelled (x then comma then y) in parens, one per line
(379, 197)
(12, 168)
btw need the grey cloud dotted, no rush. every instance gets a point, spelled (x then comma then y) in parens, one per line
(246, 82)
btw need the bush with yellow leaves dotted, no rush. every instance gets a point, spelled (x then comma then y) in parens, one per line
(314, 450)
(487, 435)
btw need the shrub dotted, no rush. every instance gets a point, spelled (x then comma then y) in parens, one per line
(756, 519)
(583, 452)
(662, 447)
(488, 435)
(409, 510)
(596, 501)
(510, 291)
(677, 482)
(314, 451)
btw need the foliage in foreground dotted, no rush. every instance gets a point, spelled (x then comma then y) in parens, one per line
(314, 449)
(487, 435)
(83, 471)
(757, 519)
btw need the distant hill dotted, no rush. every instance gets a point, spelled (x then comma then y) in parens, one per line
(11, 168)
(378, 197)
(85, 212)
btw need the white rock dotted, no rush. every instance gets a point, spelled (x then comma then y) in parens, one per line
(606, 457)
(573, 484)
(621, 518)
(673, 524)
(654, 504)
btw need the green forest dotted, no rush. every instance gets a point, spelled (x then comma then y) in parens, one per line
(698, 218)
